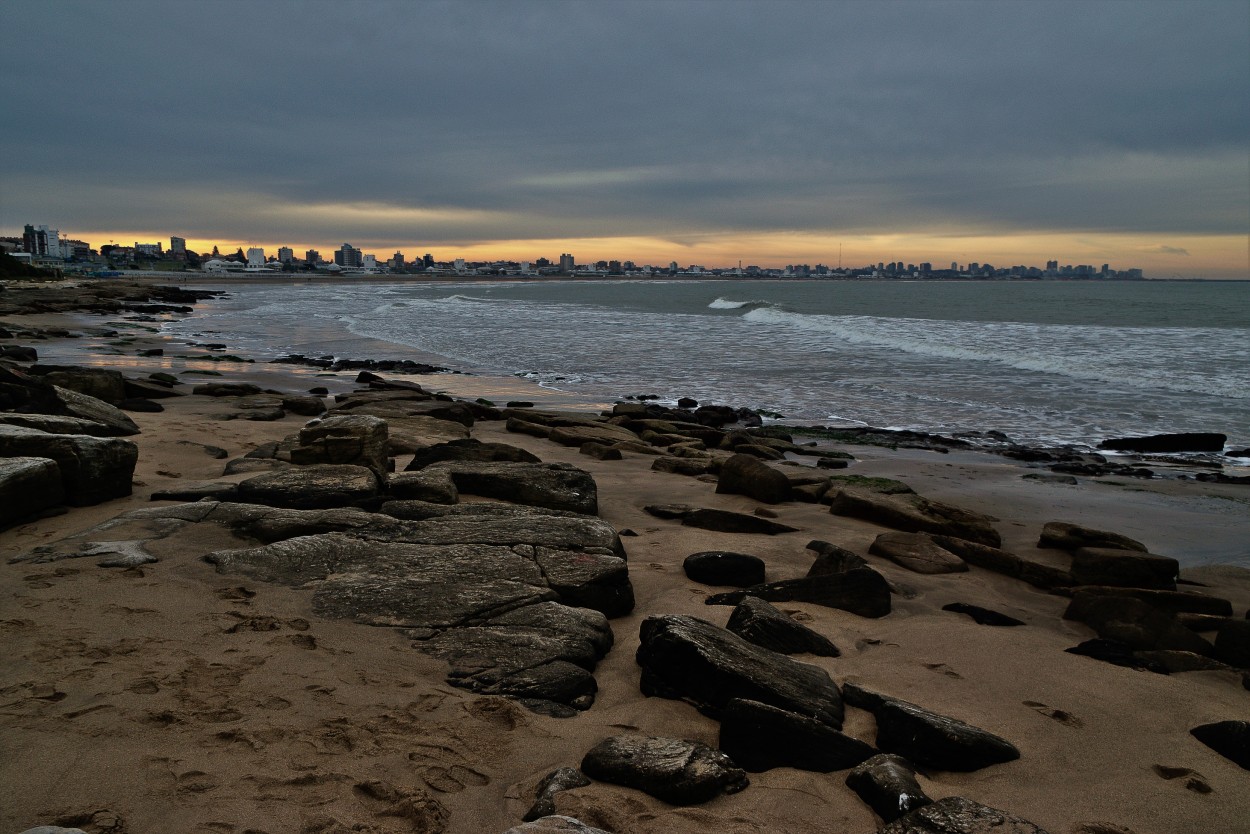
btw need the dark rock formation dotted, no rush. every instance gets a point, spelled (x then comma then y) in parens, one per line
(435, 487)
(1176, 602)
(1118, 654)
(1231, 739)
(914, 514)
(561, 779)
(747, 475)
(226, 389)
(674, 770)
(1135, 623)
(956, 815)
(469, 450)
(555, 486)
(917, 552)
(692, 660)
(760, 737)
(1156, 443)
(755, 620)
(1232, 643)
(313, 487)
(1124, 568)
(28, 486)
(719, 567)
(983, 616)
(92, 469)
(724, 521)
(355, 440)
(887, 783)
(1066, 536)
(830, 558)
(861, 591)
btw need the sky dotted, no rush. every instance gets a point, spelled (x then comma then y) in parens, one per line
(696, 131)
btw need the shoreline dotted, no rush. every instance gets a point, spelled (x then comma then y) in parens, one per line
(174, 697)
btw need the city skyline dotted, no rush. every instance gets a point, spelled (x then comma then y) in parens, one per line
(770, 133)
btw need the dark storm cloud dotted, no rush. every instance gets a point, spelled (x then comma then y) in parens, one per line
(538, 119)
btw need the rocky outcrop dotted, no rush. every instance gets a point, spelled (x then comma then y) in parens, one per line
(887, 783)
(861, 591)
(561, 779)
(755, 620)
(914, 514)
(1134, 623)
(469, 450)
(917, 552)
(982, 616)
(956, 815)
(1232, 643)
(434, 487)
(761, 737)
(689, 659)
(1064, 536)
(674, 770)
(28, 487)
(1125, 568)
(830, 558)
(355, 440)
(725, 521)
(719, 567)
(92, 469)
(1162, 443)
(317, 486)
(1231, 739)
(747, 475)
(555, 486)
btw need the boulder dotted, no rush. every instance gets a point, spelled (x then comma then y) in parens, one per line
(469, 450)
(917, 552)
(747, 475)
(561, 779)
(887, 783)
(600, 451)
(983, 616)
(82, 406)
(226, 389)
(556, 486)
(719, 567)
(355, 440)
(830, 558)
(1176, 602)
(938, 741)
(57, 424)
(725, 521)
(1231, 739)
(689, 659)
(435, 487)
(674, 770)
(28, 486)
(452, 412)
(760, 737)
(690, 467)
(1232, 643)
(755, 620)
(149, 389)
(312, 487)
(1135, 623)
(1123, 568)
(92, 469)
(305, 406)
(956, 815)
(1118, 654)
(861, 591)
(604, 433)
(914, 514)
(101, 383)
(1059, 534)
(1163, 443)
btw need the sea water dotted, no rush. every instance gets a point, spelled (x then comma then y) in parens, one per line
(1049, 362)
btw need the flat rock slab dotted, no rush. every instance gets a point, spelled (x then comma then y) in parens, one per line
(720, 567)
(755, 620)
(937, 741)
(57, 424)
(914, 514)
(313, 487)
(355, 439)
(1131, 569)
(983, 616)
(760, 737)
(28, 486)
(674, 770)
(887, 782)
(1065, 536)
(469, 450)
(918, 553)
(724, 521)
(92, 469)
(555, 486)
(956, 815)
(861, 591)
(748, 475)
(689, 659)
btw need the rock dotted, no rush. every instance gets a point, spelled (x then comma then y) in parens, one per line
(1178, 662)
(579, 435)
(1118, 654)
(1231, 739)
(355, 440)
(689, 659)
(101, 383)
(600, 451)
(214, 490)
(403, 405)
(1232, 643)
(92, 469)
(305, 406)
(956, 815)
(57, 424)
(1066, 536)
(718, 567)
(469, 450)
(53, 829)
(747, 475)
(18, 353)
(554, 824)
(556, 486)
(140, 405)
(983, 616)
(690, 467)
(313, 487)
(435, 487)
(917, 552)
(259, 414)
(1134, 623)
(562, 779)
(760, 737)
(861, 591)
(937, 741)
(73, 404)
(673, 770)
(226, 389)
(1066, 480)
(28, 486)
(833, 559)
(148, 389)
(1123, 568)
(913, 514)
(887, 783)
(1176, 602)
(755, 620)
(669, 511)
(1156, 443)
(724, 521)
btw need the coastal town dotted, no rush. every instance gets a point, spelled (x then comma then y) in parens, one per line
(46, 248)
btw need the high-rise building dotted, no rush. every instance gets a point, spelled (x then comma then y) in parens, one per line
(312, 256)
(255, 256)
(40, 240)
(428, 260)
(286, 254)
(178, 247)
(348, 255)
(370, 262)
(567, 263)
(397, 260)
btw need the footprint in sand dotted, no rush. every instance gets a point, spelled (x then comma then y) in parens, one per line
(944, 669)
(1194, 780)
(1062, 716)
(452, 779)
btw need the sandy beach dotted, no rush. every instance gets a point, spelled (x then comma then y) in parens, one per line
(173, 697)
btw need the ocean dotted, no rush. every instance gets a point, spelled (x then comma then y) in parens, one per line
(1046, 362)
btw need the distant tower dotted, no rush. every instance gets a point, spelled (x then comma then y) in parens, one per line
(567, 263)
(255, 256)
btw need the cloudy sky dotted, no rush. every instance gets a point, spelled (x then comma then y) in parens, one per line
(690, 130)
